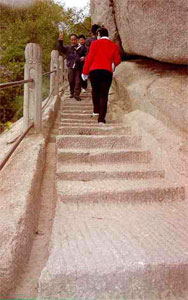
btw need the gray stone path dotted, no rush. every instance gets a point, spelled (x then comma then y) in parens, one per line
(121, 229)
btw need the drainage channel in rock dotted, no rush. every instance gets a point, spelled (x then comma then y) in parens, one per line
(28, 285)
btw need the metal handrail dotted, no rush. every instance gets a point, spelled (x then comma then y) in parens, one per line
(48, 73)
(47, 101)
(21, 82)
(15, 83)
(11, 151)
(21, 137)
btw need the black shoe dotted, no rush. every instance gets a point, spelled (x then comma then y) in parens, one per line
(102, 121)
(78, 99)
(71, 96)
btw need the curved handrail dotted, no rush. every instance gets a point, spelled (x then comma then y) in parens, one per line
(21, 82)
(33, 69)
(14, 83)
(11, 151)
(48, 73)
(21, 137)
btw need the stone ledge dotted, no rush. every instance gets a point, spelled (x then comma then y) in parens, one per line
(20, 197)
(166, 146)
(156, 88)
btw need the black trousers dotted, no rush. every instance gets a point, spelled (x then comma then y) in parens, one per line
(74, 77)
(100, 81)
(84, 84)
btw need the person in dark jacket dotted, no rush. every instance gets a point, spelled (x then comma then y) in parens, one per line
(82, 41)
(75, 54)
(89, 41)
(98, 65)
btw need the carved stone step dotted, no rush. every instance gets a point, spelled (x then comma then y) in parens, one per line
(105, 250)
(103, 156)
(94, 130)
(87, 172)
(78, 116)
(83, 122)
(96, 142)
(79, 110)
(74, 123)
(116, 190)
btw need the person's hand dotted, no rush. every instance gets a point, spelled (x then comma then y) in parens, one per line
(84, 77)
(82, 58)
(61, 36)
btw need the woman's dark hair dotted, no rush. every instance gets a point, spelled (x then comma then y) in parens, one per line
(73, 34)
(103, 31)
(82, 36)
(94, 29)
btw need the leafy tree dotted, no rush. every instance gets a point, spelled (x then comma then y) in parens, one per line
(78, 21)
(36, 24)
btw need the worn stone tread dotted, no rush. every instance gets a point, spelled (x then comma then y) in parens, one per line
(88, 172)
(77, 107)
(78, 111)
(73, 123)
(93, 130)
(79, 116)
(116, 190)
(104, 155)
(117, 250)
(82, 121)
(95, 141)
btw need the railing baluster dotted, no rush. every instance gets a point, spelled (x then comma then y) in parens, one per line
(33, 91)
(61, 70)
(54, 77)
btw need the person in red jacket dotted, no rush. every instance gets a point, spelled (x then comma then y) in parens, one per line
(98, 65)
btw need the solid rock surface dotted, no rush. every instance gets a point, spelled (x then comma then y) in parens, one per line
(155, 29)
(102, 13)
(152, 87)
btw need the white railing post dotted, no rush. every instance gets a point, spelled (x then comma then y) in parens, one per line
(33, 90)
(61, 70)
(54, 77)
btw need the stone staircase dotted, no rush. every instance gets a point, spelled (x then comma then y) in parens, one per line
(120, 227)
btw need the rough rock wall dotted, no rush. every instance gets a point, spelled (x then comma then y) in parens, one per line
(152, 97)
(158, 89)
(153, 28)
(102, 13)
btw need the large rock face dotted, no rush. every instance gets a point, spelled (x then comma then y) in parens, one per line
(155, 29)
(102, 13)
(158, 89)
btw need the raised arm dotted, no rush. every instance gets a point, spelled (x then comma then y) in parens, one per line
(61, 48)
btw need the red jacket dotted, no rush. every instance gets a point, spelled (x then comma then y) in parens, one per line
(102, 54)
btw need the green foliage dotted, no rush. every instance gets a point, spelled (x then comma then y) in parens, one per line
(78, 21)
(36, 24)
(45, 87)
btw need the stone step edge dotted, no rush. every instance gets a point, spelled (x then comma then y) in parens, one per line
(98, 137)
(80, 122)
(93, 130)
(86, 167)
(96, 141)
(89, 125)
(120, 190)
(106, 127)
(89, 172)
(106, 156)
(102, 151)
